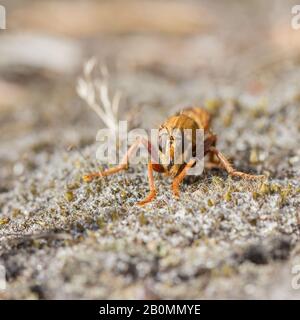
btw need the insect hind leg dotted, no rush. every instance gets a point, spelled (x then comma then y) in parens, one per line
(231, 170)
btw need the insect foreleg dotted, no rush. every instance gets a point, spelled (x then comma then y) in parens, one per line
(178, 179)
(123, 164)
(152, 192)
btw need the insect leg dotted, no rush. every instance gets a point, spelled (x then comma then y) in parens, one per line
(122, 166)
(152, 192)
(178, 179)
(230, 169)
(212, 165)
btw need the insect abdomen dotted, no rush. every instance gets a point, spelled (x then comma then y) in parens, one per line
(199, 115)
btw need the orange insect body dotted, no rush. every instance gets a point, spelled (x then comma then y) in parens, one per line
(199, 115)
(189, 118)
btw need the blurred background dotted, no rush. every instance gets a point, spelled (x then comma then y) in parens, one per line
(190, 48)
